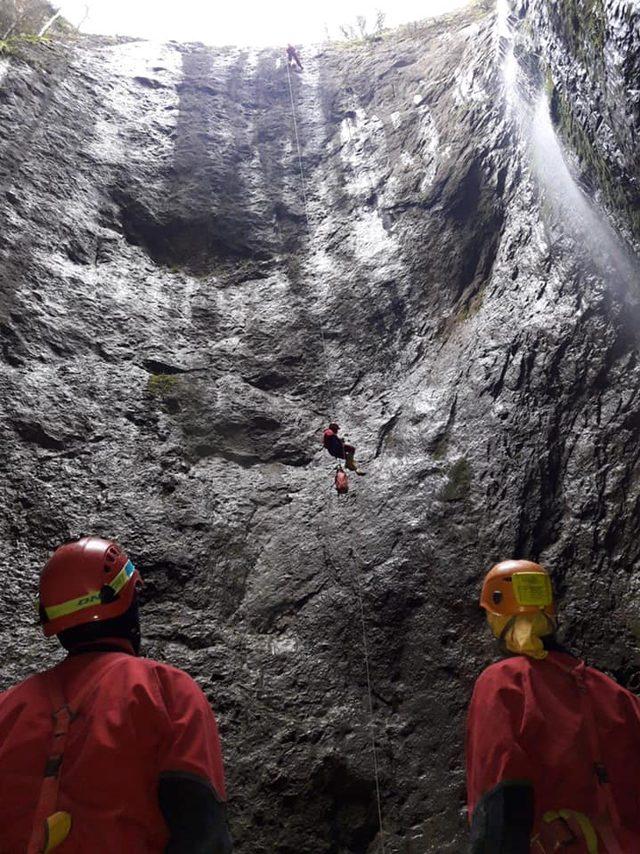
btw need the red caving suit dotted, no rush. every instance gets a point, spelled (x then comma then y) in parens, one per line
(153, 715)
(552, 722)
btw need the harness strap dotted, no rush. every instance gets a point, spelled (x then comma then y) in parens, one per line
(48, 800)
(608, 837)
(563, 828)
(608, 817)
(63, 717)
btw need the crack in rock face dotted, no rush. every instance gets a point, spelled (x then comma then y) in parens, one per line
(181, 316)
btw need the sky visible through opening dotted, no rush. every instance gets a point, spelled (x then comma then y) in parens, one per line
(252, 22)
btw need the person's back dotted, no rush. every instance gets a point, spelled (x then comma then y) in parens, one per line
(140, 722)
(570, 718)
(124, 749)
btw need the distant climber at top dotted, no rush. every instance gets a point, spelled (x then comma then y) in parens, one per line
(553, 746)
(294, 58)
(340, 449)
(106, 751)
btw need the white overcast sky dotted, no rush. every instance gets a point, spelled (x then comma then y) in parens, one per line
(242, 22)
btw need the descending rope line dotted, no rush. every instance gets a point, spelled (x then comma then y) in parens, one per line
(306, 214)
(295, 128)
(365, 644)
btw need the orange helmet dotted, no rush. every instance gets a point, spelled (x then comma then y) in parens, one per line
(85, 581)
(517, 587)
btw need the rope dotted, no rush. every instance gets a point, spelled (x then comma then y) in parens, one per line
(365, 649)
(365, 644)
(295, 128)
(303, 183)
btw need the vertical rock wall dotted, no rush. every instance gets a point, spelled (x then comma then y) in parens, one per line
(163, 294)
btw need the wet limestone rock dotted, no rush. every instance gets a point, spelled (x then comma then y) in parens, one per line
(166, 286)
(589, 52)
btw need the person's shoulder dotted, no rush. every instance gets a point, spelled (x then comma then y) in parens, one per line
(504, 672)
(16, 693)
(510, 665)
(140, 669)
(160, 668)
(601, 679)
(172, 678)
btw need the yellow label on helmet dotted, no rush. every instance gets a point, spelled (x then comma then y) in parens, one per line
(91, 598)
(533, 589)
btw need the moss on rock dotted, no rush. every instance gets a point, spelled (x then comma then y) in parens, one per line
(583, 25)
(459, 483)
(162, 385)
(598, 171)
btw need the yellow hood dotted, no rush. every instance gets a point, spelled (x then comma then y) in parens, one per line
(522, 634)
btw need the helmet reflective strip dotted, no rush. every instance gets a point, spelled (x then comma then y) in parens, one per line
(92, 598)
(122, 577)
(532, 588)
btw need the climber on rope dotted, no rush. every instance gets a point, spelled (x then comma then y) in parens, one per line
(106, 751)
(294, 58)
(553, 746)
(339, 448)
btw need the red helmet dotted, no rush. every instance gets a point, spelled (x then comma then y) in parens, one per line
(85, 581)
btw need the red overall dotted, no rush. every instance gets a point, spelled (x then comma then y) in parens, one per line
(341, 482)
(566, 728)
(141, 719)
(333, 443)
